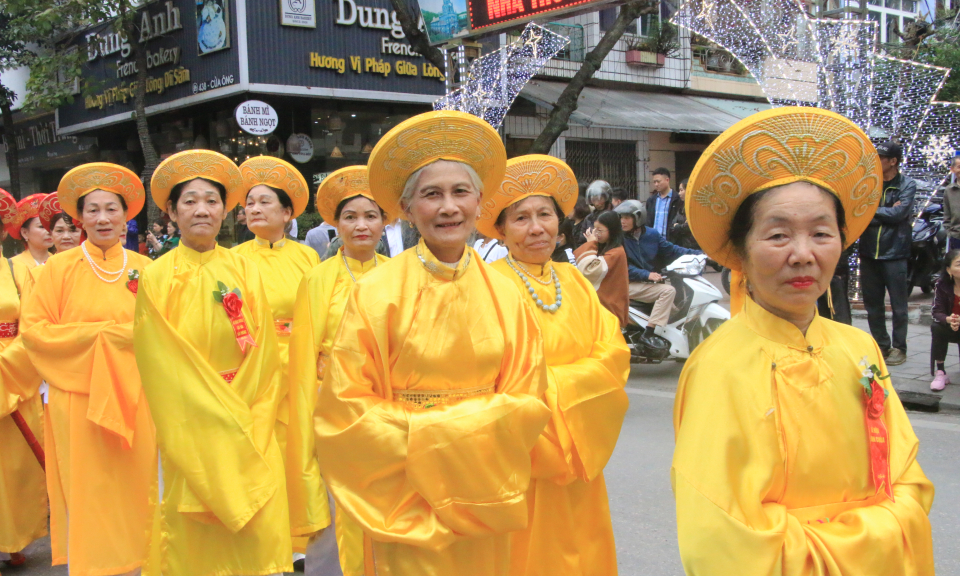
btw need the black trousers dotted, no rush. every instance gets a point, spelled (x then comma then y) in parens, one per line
(877, 278)
(840, 301)
(942, 335)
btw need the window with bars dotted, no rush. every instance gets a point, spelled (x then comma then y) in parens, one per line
(615, 162)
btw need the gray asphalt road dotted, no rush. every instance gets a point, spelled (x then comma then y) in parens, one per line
(641, 502)
(638, 480)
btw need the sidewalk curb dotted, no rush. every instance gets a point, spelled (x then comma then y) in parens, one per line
(916, 314)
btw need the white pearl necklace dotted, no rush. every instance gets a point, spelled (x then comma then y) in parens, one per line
(552, 308)
(95, 267)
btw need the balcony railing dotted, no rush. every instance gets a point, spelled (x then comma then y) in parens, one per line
(574, 51)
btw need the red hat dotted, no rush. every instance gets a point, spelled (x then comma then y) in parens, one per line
(49, 209)
(27, 208)
(8, 207)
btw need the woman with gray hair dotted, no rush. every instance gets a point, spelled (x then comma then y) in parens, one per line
(430, 404)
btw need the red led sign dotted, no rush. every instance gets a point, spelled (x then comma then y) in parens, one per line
(486, 15)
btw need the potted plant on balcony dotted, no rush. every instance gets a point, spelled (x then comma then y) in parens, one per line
(653, 49)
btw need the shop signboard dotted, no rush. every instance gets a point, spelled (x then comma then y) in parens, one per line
(357, 45)
(40, 146)
(190, 47)
(300, 13)
(256, 117)
(447, 20)
(300, 147)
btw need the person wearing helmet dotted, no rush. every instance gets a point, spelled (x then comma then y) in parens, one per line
(600, 197)
(647, 250)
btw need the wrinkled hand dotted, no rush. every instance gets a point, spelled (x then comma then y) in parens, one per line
(654, 277)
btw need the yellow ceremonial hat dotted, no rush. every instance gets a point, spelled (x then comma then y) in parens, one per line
(105, 176)
(27, 208)
(340, 185)
(426, 138)
(530, 175)
(276, 173)
(774, 148)
(8, 207)
(192, 164)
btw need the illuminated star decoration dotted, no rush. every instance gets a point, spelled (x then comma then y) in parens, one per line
(494, 80)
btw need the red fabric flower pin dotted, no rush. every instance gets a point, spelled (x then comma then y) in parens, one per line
(133, 281)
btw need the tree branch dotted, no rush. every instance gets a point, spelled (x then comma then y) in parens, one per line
(559, 117)
(418, 38)
(151, 159)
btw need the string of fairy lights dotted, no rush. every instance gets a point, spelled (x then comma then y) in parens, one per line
(837, 65)
(494, 80)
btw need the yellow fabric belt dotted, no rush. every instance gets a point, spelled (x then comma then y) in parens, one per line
(419, 399)
(283, 326)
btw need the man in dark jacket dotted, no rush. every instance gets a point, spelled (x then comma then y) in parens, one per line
(951, 205)
(648, 251)
(663, 205)
(884, 250)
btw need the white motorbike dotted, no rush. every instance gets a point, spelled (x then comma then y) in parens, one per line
(696, 314)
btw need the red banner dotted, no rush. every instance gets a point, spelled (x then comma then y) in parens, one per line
(878, 439)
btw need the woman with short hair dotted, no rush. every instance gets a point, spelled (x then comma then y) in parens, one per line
(793, 453)
(206, 346)
(77, 325)
(430, 401)
(603, 262)
(276, 193)
(343, 199)
(570, 530)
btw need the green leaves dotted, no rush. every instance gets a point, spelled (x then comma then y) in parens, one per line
(223, 290)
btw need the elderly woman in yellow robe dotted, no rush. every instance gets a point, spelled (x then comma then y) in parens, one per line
(206, 347)
(23, 494)
(570, 531)
(276, 194)
(793, 453)
(77, 326)
(344, 199)
(28, 228)
(430, 405)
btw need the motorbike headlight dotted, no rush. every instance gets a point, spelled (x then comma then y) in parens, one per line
(693, 267)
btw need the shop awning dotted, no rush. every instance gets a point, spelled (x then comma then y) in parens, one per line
(609, 108)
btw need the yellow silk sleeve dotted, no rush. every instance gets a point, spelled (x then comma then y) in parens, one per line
(19, 380)
(216, 433)
(94, 358)
(725, 468)
(306, 491)
(428, 477)
(587, 400)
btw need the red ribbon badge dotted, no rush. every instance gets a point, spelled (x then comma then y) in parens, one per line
(233, 306)
(875, 397)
